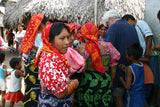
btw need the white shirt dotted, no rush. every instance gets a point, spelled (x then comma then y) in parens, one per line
(15, 82)
(19, 36)
(143, 31)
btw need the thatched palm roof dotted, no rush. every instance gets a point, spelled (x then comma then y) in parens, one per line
(81, 11)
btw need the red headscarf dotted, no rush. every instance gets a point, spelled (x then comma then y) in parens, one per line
(100, 25)
(0, 41)
(77, 27)
(90, 32)
(48, 47)
(71, 28)
(31, 32)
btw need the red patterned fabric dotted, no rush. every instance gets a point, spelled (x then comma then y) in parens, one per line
(100, 25)
(0, 41)
(53, 66)
(48, 47)
(76, 27)
(71, 28)
(53, 72)
(31, 32)
(90, 32)
(14, 97)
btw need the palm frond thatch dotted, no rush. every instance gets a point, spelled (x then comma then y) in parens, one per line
(81, 11)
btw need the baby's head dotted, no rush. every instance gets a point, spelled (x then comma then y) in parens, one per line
(134, 52)
(15, 63)
(2, 56)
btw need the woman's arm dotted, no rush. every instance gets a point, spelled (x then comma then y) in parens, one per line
(144, 59)
(113, 72)
(71, 86)
(129, 79)
(148, 46)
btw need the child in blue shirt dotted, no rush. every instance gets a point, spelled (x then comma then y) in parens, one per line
(134, 77)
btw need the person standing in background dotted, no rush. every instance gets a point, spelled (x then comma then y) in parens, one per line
(10, 37)
(145, 36)
(29, 47)
(158, 15)
(19, 37)
(121, 34)
(95, 83)
(102, 31)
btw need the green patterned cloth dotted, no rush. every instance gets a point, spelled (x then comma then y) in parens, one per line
(94, 90)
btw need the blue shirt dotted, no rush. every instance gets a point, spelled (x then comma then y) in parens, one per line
(135, 97)
(2, 70)
(121, 34)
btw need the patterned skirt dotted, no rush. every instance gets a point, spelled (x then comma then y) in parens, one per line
(32, 84)
(49, 100)
(94, 90)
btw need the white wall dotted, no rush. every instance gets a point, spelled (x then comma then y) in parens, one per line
(151, 9)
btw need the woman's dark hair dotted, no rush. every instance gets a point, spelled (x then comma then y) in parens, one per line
(56, 29)
(14, 61)
(158, 14)
(128, 16)
(45, 19)
(134, 50)
(22, 24)
(2, 56)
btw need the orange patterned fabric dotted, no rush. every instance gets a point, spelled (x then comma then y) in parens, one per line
(31, 33)
(71, 28)
(0, 41)
(48, 47)
(90, 32)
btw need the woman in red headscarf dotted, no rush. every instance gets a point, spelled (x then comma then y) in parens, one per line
(56, 86)
(76, 61)
(95, 83)
(76, 42)
(102, 31)
(29, 46)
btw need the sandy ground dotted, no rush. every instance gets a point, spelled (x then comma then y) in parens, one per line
(10, 55)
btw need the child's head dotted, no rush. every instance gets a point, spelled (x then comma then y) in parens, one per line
(134, 52)
(2, 56)
(15, 63)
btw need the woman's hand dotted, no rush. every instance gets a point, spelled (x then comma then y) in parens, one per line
(76, 82)
(81, 48)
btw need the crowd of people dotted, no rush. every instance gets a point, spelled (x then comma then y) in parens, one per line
(114, 64)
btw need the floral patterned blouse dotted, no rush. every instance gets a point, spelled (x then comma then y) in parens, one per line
(109, 55)
(53, 73)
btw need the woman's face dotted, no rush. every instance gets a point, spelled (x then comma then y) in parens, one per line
(20, 28)
(103, 31)
(61, 41)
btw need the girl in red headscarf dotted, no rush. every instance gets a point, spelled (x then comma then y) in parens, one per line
(95, 83)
